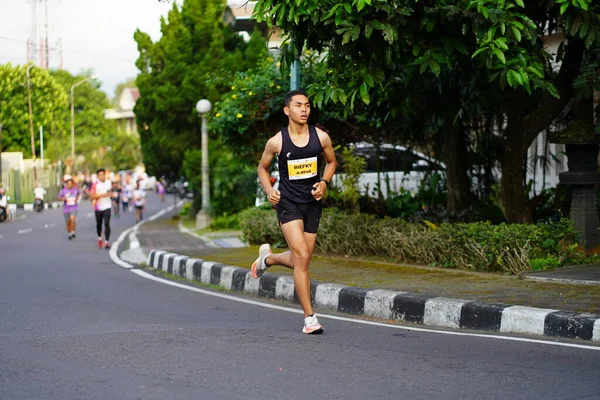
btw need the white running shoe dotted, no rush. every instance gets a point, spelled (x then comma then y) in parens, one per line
(259, 267)
(312, 326)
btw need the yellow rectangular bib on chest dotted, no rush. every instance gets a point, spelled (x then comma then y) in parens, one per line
(302, 169)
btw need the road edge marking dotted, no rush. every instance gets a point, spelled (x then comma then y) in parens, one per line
(114, 257)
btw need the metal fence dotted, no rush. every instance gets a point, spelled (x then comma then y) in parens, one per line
(19, 185)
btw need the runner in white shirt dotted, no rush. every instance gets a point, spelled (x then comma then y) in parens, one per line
(101, 197)
(139, 201)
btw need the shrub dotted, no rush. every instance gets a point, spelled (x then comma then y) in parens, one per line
(185, 210)
(260, 225)
(226, 221)
(481, 246)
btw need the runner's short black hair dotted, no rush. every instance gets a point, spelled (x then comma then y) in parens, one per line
(100, 170)
(292, 93)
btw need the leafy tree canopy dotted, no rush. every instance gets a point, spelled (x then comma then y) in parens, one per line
(47, 98)
(178, 70)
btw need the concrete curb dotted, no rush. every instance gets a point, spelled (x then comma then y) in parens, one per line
(384, 304)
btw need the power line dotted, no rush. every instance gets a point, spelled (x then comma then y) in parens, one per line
(70, 51)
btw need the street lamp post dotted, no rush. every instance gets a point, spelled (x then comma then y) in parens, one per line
(31, 123)
(73, 115)
(202, 218)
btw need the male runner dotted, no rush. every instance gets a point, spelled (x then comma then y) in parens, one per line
(101, 193)
(70, 196)
(298, 199)
(139, 201)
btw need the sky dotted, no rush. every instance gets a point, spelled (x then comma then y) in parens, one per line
(95, 34)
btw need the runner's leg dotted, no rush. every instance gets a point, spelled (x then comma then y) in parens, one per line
(285, 259)
(300, 249)
(73, 223)
(99, 217)
(107, 225)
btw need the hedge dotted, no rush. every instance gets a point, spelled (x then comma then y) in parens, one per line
(508, 248)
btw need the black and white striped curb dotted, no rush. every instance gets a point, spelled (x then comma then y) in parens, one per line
(385, 304)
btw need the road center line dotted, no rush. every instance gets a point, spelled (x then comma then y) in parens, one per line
(23, 231)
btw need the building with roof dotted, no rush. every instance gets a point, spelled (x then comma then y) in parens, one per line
(123, 115)
(238, 15)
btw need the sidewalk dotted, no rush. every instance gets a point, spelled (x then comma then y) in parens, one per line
(164, 234)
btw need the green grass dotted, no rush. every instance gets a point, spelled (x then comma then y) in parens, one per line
(481, 286)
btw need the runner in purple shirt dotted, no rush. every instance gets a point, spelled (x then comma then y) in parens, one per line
(70, 197)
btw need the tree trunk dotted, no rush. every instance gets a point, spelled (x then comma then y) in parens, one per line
(523, 129)
(514, 200)
(456, 158)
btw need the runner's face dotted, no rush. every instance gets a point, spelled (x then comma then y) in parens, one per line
(102, 176)
(299, 109)
(69, 184)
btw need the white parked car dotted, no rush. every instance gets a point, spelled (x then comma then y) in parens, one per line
(403, 168)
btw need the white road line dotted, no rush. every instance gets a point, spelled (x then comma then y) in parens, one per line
(1, 236)
(49, 226)
(19, 217)
(89, 215)
(143, 274)
(23, 231)
(113, 250)
(357, 321)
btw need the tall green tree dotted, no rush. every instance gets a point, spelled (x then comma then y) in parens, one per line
(386, 52)
(47, 98)
(176, 72)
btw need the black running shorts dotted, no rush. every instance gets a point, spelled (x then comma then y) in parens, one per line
(310, 213)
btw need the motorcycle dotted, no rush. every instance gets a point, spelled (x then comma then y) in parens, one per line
(38, 205)
(4, 208)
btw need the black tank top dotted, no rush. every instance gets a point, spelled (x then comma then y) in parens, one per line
(299, 167)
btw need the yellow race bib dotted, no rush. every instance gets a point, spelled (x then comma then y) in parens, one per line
(302, 169)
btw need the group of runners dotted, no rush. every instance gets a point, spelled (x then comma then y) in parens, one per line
(108, 192)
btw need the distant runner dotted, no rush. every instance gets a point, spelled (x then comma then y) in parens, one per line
(100, 193)
(70, 197)
(160, 189)
(126, 193)
(116, 198)
(298, 199)
(139, 201)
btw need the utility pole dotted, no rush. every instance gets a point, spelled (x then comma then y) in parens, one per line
(203, 218)
(42, 145)
(53, 133)
(46, 48)
(73, 114)
(295, 74)
(31, 124)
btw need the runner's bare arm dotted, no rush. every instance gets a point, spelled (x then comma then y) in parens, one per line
(272, 147)
(329, 153)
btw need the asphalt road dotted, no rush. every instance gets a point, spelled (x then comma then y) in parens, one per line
(73, 325)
